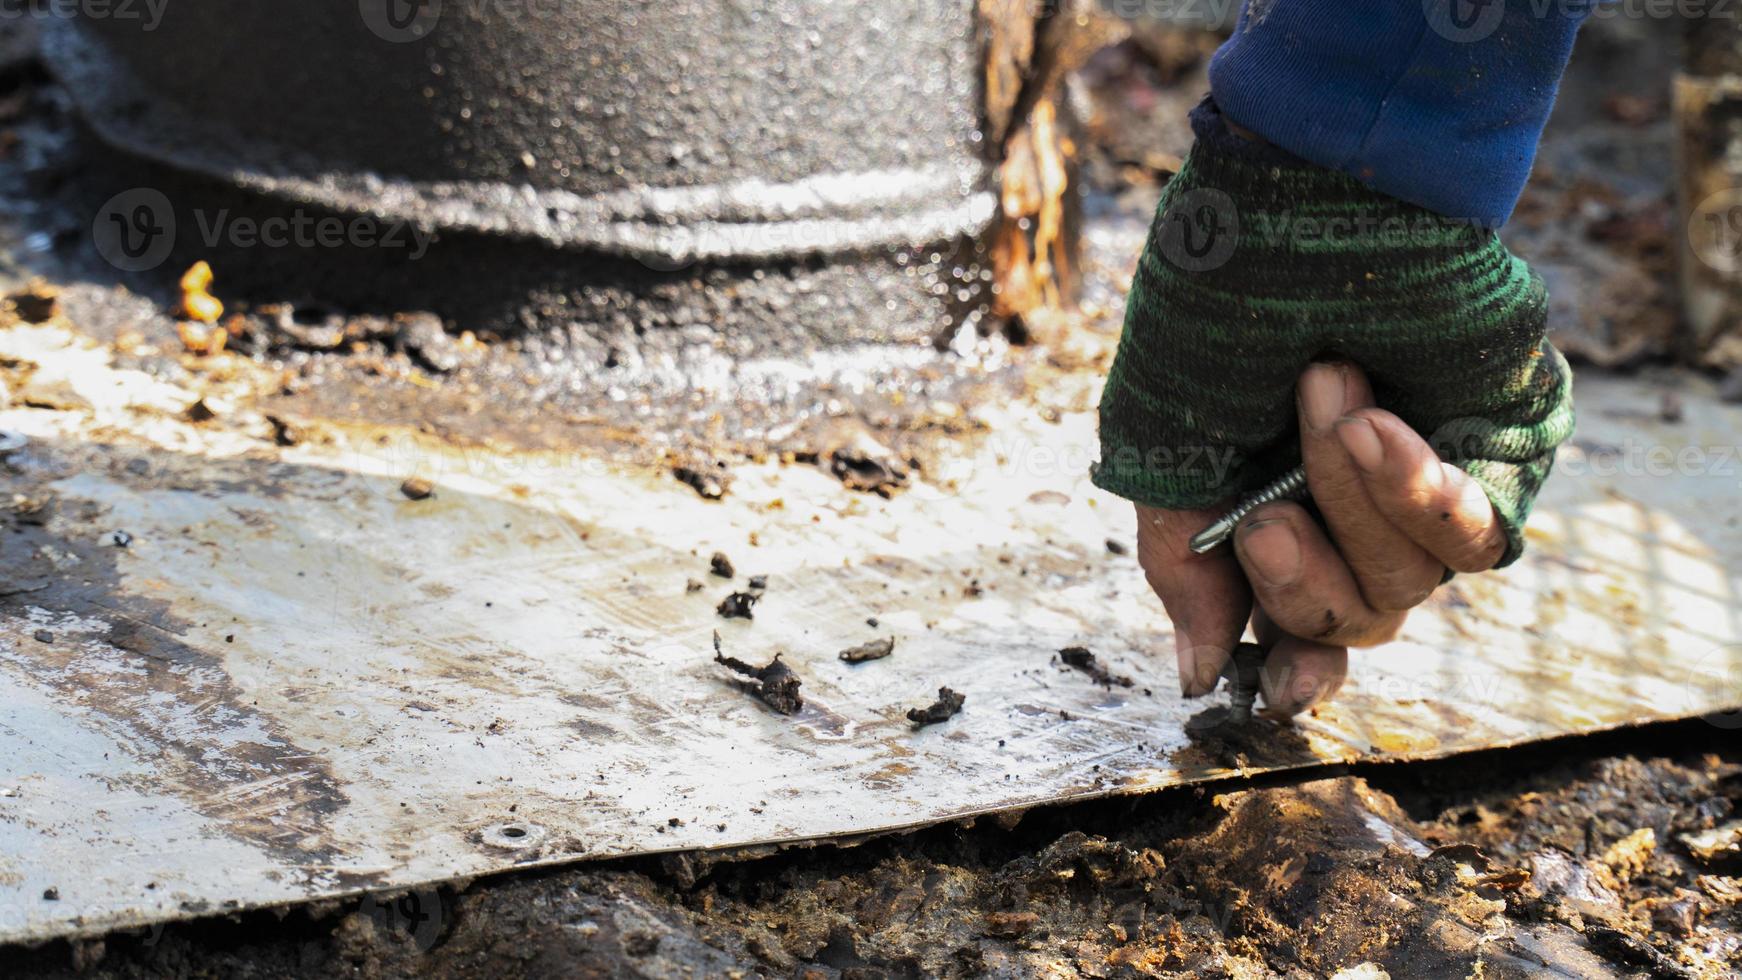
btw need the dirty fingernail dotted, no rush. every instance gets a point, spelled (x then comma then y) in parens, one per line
(1322, 396)
(1359, 438)
(1272, 551)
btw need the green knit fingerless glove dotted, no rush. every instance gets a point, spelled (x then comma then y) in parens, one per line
(1257, 264)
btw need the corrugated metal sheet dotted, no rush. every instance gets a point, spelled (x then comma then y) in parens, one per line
(295, 683)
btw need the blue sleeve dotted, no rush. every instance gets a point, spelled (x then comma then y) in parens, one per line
(1436, 102)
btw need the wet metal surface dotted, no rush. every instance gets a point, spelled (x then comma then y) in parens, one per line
(295, 682)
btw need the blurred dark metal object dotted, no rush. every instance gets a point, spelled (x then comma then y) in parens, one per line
(651, 194)
(677, 132)
(1245, 681)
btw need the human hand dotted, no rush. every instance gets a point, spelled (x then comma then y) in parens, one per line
(1395, 518)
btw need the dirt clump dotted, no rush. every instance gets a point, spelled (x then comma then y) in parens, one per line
(1080, 658)
(739, 605)
(943, 709)
(711, 482)
(870, 650)
(775, 683)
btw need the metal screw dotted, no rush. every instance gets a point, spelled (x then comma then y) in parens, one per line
(1290, 485)
(1243, 671)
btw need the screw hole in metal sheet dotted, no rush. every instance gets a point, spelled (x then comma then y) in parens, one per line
(512, 836)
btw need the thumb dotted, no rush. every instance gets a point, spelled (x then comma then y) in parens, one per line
(1206, 596)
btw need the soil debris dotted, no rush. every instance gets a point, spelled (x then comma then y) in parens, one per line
(37, 302)
(284, 432)
(1117, 547)
(423, 338)
(1081, 659)
(776, 684)
(943, 709)
(201, 411)
(693, 586)
(43, 636)
(739, 605)
(758, 583)
(197, 302)
(1010, 925)
(120, 539)
(711, 482)
(873, 650)
(198, 338)
(721, 565)
(1717, 844)
(417, 488)
(868, 467)
(33, 511)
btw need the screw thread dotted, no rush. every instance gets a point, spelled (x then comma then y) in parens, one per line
(1291, 484)
(1288, 485)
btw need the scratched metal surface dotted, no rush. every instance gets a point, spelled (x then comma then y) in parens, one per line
(295, 683)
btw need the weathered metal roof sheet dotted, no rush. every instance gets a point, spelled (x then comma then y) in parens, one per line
(293, 682)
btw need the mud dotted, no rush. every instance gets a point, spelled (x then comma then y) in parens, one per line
(739, 605)
(776, 683)
(947, 706)
(871, 650)
(710, 482)
(38, 302)
(1079, 658)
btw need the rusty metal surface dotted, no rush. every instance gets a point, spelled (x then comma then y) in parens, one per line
(293, 682)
